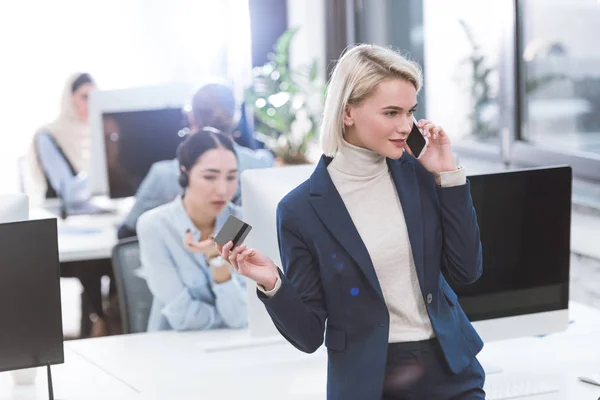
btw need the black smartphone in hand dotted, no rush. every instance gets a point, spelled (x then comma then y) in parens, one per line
(416, 141)
(234, 230)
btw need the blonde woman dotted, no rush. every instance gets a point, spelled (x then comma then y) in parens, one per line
(368, 241)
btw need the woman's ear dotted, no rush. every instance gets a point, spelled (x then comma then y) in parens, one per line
(348, 121)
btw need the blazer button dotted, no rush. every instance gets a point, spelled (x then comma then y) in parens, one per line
(429, 298)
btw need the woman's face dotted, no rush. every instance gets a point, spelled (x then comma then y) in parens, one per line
(382, 121)
(80, 101)
(213, 180)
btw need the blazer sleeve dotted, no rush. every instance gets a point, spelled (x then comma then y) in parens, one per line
(298, 308)
(461, 254)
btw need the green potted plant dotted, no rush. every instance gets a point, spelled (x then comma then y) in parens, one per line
(287, 103)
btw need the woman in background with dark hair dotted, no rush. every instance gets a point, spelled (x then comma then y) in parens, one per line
(193, 288)
(59, 159)
(60, 153)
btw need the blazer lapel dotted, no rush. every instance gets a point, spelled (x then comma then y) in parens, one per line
(332, 211)
(407, 186)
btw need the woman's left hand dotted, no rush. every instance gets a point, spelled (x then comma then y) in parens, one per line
(438, 156)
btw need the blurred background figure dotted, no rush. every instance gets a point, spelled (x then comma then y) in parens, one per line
(59, 159)
(214, 106)
(60, 153)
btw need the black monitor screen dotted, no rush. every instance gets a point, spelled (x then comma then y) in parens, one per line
(134, 141)
(30, 311)
(525, 223)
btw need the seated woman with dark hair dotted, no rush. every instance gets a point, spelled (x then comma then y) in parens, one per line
(214, 106)
(58, 161)
(193, 288)
(59, 154)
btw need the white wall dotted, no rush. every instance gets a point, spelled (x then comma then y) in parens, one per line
(307, 46)
(309, 43)
(446, 46)
(122, 43)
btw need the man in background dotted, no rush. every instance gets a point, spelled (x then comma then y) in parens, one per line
(214, 106)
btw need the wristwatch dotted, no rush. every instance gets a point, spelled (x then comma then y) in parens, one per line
(216, 262)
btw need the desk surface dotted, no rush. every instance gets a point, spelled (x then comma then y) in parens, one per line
(76, 379)
(186, 365)
(85, 237)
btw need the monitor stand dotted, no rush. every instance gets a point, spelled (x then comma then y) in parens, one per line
(50, 390)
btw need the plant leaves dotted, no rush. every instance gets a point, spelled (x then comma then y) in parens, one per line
(282, 46)
(314, 71)
(301, 83)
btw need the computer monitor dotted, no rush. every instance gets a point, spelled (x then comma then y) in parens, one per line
(14, 207)
(131, 130)
(30, 310)
(524, 218)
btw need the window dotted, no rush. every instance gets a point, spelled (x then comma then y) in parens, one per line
(561, 75)
(517, 80)
(553, 86)
(461, 44)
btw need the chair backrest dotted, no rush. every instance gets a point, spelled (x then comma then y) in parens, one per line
(135, 299)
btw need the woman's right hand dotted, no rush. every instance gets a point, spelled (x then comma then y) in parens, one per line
(204, 247)
(251, 263)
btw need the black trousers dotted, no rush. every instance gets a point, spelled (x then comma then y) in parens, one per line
(90, 276)
(417, 370)
(90, 273)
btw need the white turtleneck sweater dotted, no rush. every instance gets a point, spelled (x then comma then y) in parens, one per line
(365, 184)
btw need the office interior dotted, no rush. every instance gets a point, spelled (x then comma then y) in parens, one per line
(515, 83)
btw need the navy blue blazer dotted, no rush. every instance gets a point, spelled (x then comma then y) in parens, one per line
(329, 283)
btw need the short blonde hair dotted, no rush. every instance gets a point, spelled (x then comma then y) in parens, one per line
(357, 73)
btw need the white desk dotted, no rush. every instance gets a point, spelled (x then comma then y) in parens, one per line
(76, 379)
(176, 365)
(85, 237)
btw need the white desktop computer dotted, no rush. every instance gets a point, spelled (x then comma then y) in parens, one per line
(13, 208)
(260, 198)
(262, 189)
(524, 219)
(132, 129)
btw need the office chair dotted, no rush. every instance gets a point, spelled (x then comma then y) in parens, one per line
(135, 299)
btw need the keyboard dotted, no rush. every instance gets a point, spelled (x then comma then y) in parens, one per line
(518, 388)
(86, 208)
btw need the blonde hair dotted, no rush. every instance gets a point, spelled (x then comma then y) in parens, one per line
(357, 73)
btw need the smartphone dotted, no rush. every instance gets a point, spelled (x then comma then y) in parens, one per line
(416, 141)
(235, 230)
